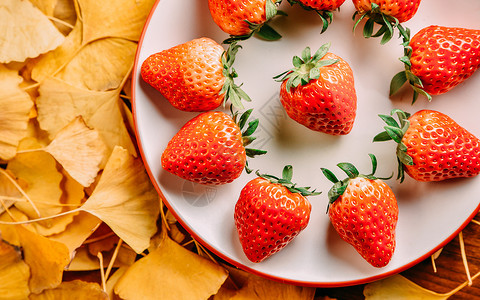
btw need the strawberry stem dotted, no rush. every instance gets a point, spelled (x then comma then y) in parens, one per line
(325, 15)
(286, 181)
(407, 75)
(306, 67)
(229, 88)
(339, 186)
(395, 131)
(376, 16)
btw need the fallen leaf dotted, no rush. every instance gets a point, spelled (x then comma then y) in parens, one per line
(73, 290)
(15, 107)
(252, 287)
(398, 287)
(112, 281)
(59, 103)
(109, 62)
(26, 31)
(9, 232)
(125, 199)
(171, 272)
(46, 258)
(84, 261)
(106, 18)
(9, 194)
(38, 169)
(79, 149)
(14, 273)
(72, 196)
(52, 62)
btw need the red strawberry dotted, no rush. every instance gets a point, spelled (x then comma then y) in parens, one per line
(195, 76)
(387, 13)
(270, 213)
(210, 148)
(364, 212)
(437, 59)
(319, 92)
(243, 18)
(323, 8)
(432, 146)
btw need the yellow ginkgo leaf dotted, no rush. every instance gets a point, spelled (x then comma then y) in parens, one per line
(79, 149)
(45, 6)
(46, 258)
(102, 74)
(15, 106)
(398, 287)
(106, 18)
(83, 225)
(8, 232)
(84, 261)
(39, 170)
(73, 290)
(26, 31)
(171, 272)
(50, 63)
(14, 273)
(9, 193)
(72, 196)
(253, 287)
(125, 199)
(59, 103)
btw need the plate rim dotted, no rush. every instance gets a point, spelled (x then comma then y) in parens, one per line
(346, 283)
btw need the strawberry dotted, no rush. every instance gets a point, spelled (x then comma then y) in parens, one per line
(319, 92)
(243, 18)
(431, 146)
(437, 59)
(387, 13)
(364, 212)
(270, 213)
(210, 148)
(195, 76)
(323, 8)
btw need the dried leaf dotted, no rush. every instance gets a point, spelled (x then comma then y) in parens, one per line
(84, 261)
(9, 232)
(107, 18)
(72, 196)
(79, 149)
(15, 107)
(78, 231)
(26, 31)
(14, 273)
(102, 74)
(59, 103)
(254, 287)
(125, 199)
(399, 287)
(50, 63)
(46, 259)
(73, 290)
(171, 272)
(38, 169)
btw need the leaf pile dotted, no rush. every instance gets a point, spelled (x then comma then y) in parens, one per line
(74, 195)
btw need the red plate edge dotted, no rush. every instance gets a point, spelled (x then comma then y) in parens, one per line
(233, 262)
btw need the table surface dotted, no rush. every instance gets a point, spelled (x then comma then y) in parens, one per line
(450, 270)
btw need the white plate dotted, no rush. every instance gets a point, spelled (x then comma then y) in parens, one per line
(431, 214)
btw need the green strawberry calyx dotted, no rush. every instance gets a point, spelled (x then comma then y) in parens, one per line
(325, 15)
(229, 88)
(306, 67)
(340, 186)
(376, 16)
(247, 138)
(407, 75)
(395, 131)
(262, 30)
(286, 181)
